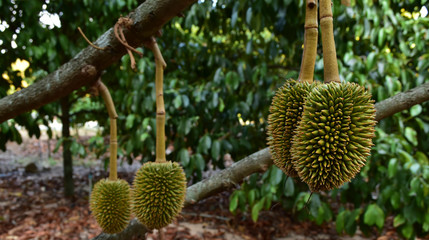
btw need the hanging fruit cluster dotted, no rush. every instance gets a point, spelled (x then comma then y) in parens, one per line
(159, 188)
(320, 132)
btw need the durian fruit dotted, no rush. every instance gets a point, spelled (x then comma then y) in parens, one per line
(110, 200)
(110, 204)
(287, 105)
(333, 139)
(159, 187)
(285, 114)
(158, 194)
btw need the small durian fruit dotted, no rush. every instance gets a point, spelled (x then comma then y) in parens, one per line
(285, 114)
(334, 137)
(110, 204)
(158, 194)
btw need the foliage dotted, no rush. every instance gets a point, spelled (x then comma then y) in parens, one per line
(225, 59)
(387, 56)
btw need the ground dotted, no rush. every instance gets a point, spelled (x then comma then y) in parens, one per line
(32, 205)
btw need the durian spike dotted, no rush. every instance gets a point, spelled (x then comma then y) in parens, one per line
(113, 175)
(328, 44)
(160, 109)
(306, 73)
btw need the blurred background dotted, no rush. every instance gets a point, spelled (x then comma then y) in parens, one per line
(225, 60)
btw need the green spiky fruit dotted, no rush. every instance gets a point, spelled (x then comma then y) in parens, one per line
(158, 193)
(110, 204)
(285, 114)
(334, 137)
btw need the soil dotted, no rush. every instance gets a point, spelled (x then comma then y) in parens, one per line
(32, 205)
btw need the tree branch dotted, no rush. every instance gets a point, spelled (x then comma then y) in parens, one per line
(86, 66)
(261, 160)
(402, 101)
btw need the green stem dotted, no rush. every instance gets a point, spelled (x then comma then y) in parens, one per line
(328, 44)
(113, 175)
(306, 74)
(160, 110)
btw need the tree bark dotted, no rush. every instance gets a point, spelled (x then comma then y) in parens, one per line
(402, 101)
(86, 66)
(67, 155)
(261, 160)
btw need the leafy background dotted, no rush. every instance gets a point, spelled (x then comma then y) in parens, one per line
(225, 60)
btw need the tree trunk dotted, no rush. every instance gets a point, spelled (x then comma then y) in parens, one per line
(67, 155)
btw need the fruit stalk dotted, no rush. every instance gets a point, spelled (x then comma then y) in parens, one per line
(306, 73)
(160, 109)
(328, 43)
(113, 175)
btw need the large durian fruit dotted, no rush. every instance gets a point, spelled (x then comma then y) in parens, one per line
(285, 114)
(287, 105)
(158, 193)
(334, 137)
(110, 204)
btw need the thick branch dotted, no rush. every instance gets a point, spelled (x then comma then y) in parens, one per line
(261, 160)
(230, 177)
(402, 101)
(134, 229)
(86, 66)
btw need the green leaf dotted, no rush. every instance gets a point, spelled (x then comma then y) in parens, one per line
(249, 47)
(184, 157)
(233, 202)
(268, 201)
(218, 75)
(340, 221)
(234, 16)
(257, 208)
(184, 126)
(249, 16)
(185, 101)
(251, 196)
(392, 167)
(129, 122)
(215, 150)
(204, 144)
(215, 100)
(276, 176)
(426, 223)
(407, 231)
(221, 105)
(415, 185)
(289, 187)
(199, 161)
(411, 135)
(351, 222)
(395, 200)
(421, 158)
(405, 156)
(59, 143)
(381, 37)
(370, 61)
(374, 215)
(177, 101)
(416, 110)
(144, 136)
(232, 80)
(398, 220)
